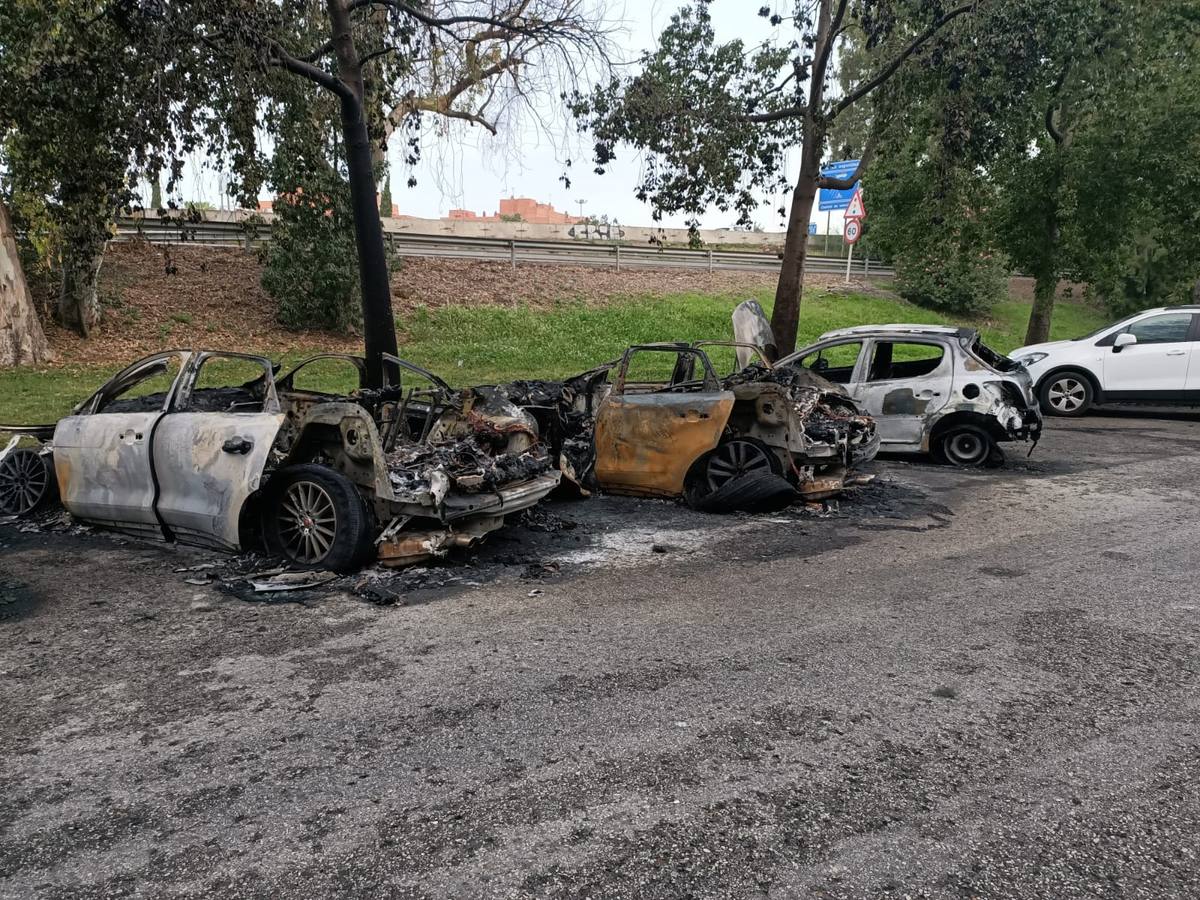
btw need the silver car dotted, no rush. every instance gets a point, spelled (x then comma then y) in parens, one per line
(212, 448)
(931, 389)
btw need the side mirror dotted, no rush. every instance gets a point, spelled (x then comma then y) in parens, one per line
(1123, 340)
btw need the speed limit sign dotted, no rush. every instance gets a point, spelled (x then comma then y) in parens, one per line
(852, 231)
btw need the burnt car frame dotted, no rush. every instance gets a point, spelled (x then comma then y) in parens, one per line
(931, 389)
(325, 480)
(753, 439)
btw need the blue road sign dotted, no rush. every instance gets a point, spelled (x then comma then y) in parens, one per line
(812, 228)
(830, 199)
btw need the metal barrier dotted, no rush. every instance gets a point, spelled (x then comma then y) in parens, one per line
(514, 252)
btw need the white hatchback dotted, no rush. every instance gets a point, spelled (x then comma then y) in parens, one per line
(1152, 356)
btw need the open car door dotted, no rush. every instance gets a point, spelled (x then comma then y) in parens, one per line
(665, 411)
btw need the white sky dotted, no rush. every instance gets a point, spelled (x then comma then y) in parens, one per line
(470, 169)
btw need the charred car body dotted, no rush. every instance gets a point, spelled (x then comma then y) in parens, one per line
(930, 388)
(176, 447)
(659, 422)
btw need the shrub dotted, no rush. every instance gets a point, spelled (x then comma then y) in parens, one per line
(311, 263)
(952, 277)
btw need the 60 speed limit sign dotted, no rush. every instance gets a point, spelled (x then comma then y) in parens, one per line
(852, 231)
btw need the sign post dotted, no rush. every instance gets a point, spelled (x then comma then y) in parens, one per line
(856, 211)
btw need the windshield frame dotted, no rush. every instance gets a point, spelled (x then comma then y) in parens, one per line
(1106, 328)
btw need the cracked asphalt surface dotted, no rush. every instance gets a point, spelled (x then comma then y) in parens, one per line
(963, 685)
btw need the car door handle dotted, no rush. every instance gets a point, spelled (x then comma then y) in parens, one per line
(239, 445)
(1176, 352)
(131, 436)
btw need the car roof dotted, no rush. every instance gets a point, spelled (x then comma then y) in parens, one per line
(901, 329)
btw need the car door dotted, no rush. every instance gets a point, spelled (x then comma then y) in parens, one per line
(211, 448)
(665, 411)
(1156, 366)
(902, 383)
(102, 452)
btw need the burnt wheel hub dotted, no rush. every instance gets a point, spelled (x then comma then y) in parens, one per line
(734, 459)
(307, 522)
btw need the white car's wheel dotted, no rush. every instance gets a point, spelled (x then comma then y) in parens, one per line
(1066, 394)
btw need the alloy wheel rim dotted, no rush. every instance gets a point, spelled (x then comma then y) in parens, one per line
(24, 480)
(307, 522)
(733, 460)
(1067, 394)
(967, 448)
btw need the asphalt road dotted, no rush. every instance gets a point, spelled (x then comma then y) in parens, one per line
(959, 685)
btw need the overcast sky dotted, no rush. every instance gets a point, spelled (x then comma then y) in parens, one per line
(471, 169)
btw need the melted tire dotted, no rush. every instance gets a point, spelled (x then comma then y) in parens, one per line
(350, 545)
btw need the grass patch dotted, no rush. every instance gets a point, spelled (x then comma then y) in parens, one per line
(472, 345)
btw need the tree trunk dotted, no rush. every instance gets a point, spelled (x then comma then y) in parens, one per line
(22, 341)
(379, 323)
(1045, 289)
(1196, 292)
(785, 318)
(78, 298)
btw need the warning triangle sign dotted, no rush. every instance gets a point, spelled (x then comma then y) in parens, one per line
(856, 209)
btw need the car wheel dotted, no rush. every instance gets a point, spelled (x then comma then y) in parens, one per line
(966, 446)
(316, 518)
(1066, 394)
(736, 458)
(26, 481)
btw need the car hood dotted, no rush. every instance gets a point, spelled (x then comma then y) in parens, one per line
(1048, 347)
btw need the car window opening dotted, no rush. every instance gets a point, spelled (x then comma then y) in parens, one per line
(892, 360)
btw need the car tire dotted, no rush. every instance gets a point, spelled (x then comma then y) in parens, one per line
(315, 518)
(26, 482)
(1067, 394)
(967, 446)
(737, 457)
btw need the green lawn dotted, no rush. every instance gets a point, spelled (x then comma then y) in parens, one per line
(481, 344)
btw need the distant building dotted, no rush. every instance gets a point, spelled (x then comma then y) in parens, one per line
(523, 209)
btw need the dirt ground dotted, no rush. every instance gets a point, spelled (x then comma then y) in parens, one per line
(153, 296)
(955, 685)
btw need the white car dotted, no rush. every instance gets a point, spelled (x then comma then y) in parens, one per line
(1147, 357)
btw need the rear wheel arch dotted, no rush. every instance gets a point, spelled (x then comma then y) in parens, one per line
(967, 417)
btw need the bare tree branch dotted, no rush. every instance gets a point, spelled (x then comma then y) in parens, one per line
(778, 115)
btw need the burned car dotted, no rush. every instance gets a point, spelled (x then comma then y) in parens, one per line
(660, 422)
(214, 449)
(931, 389)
